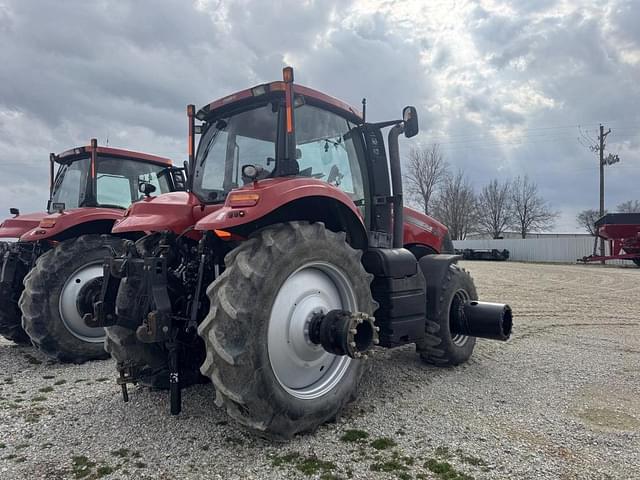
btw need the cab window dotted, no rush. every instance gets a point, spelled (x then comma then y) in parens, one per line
(325, 150)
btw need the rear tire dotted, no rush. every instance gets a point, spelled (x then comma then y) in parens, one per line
(267, 375)
(10, 316)
(636, 261)
(439, 346)
(59, 290)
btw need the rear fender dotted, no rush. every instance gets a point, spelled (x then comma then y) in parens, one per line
(334, 213)
(435, 268)
(73, 223)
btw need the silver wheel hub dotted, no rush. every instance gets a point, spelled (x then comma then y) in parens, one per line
(86, 277)
(304, 369)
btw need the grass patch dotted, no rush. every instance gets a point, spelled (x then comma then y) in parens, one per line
(81, 466)
(46, 389)
(288, 458)
(80, 380)
(443, 452)
(445, 471)
(60, 382)
(140, 465)
(313, 465)
(383, 443)
(102, 379)
(306, 465)
(104, 470)
(48, 377)
(3, 445)
(8, 381)
(20, 459)
(389, 466)
(39, 398)
(354, 436)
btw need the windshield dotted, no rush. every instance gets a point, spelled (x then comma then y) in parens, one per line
(71, 181)
(116, 185)
(242, 139)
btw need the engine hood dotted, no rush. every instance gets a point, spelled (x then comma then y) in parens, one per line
(15, 227)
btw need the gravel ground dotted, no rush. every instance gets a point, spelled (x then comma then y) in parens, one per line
(561, 400)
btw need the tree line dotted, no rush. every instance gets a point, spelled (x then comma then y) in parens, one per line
(497, 207)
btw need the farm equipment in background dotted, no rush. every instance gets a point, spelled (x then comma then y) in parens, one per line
(52, 273)
(484, 254)
(288, 259)
(622, 231)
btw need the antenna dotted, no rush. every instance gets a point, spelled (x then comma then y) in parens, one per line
(364, 109)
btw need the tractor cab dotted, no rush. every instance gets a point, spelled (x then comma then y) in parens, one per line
(281, 131)
(105, 177)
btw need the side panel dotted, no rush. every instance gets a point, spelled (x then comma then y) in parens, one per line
(420, 229)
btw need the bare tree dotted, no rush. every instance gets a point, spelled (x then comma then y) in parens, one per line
(587, 220)
(494, 208)
(630, 206)
(455, 206)
(425, 173)
(530, 211)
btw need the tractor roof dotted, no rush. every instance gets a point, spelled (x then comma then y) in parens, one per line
(71, 154)
(230, 102)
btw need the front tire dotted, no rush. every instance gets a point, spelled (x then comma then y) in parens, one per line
(266, 372)
(59, 290)
(440, 346)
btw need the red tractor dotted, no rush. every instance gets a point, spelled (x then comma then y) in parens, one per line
(289, 257)
(53, 272)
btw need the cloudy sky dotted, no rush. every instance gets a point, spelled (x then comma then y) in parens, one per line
(505, 87)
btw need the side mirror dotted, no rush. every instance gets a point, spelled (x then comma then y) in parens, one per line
(410, 118)
(146, 188)
(14, 211)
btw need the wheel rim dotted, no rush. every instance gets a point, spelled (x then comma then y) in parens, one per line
(305, 370)
(457, 303)
(72, 304)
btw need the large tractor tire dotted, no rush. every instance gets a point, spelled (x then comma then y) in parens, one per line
(440, 347)
(266, 372)
(10, 316)
(59, 290)
(149, 361)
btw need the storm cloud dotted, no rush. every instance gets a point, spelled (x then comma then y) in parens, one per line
(501, 85)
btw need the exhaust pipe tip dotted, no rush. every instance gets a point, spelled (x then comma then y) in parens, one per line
(344, 333)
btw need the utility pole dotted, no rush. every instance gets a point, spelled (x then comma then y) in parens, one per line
(601, 138)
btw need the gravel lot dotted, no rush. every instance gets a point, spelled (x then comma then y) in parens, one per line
(559, 400)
